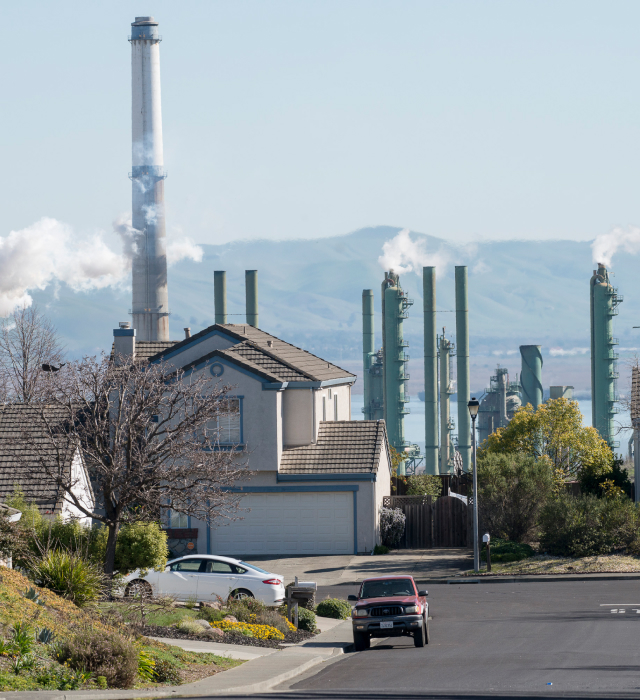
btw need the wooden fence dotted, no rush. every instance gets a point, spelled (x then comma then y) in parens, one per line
(429, 523)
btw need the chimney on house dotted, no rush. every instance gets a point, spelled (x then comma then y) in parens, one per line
(124, 342)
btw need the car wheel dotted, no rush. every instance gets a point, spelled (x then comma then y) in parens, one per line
(361, 641)
(241, 593)
(419, 636)
(138, 588)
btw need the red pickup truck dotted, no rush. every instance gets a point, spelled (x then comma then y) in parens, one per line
(390, 606)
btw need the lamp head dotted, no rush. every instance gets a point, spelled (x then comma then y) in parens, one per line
(473, 407)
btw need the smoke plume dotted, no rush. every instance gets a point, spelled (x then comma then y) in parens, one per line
(561, 352)
(49, 252)
(402, 254)
(607, 245)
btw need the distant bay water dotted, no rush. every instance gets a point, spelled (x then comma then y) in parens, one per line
(414, 421)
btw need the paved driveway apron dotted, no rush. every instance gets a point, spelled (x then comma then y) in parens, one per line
(581, 637)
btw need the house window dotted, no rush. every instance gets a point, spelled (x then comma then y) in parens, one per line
(173, 519)
(335, 407)
(324, 408)
(226, 429)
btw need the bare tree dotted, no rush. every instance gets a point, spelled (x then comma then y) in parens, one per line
(150, 438)
(28, 340)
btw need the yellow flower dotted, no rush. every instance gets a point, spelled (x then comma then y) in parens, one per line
(259, 631)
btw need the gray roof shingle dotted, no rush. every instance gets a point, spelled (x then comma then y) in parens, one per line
(343, 447)
(281, 360)
(20, 463)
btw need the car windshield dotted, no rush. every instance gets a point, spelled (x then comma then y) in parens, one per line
(387, 588)
(255, 568)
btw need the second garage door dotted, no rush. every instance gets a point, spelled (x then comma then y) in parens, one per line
(289, 523)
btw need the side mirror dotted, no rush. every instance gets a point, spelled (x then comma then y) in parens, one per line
(352, 597)
(423, 593)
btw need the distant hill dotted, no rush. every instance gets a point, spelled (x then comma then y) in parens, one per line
(310, 294)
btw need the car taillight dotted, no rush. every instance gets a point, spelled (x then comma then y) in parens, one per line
(273, 582)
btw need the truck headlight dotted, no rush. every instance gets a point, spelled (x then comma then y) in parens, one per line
(360, 612)
(412, 609)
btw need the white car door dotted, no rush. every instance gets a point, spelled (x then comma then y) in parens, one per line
(216, 580)
(181, 580)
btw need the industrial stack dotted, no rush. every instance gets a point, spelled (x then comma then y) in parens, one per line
(385, 375)
(604, 300)
(251, 297)
(150, 302)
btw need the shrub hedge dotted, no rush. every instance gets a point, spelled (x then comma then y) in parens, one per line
(335, 608)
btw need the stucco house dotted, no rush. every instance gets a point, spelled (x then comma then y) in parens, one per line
(21, 467)
(320, 477)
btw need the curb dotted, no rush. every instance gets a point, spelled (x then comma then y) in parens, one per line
(533, 578)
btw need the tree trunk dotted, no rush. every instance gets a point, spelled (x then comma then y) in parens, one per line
(110, 556)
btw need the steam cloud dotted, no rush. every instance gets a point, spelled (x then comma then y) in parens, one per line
(49, 252)
(402, 254)
(607, 245)
(561, 352)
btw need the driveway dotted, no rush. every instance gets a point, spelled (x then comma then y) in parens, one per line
(326, 570)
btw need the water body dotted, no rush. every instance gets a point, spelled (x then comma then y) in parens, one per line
(414, 421)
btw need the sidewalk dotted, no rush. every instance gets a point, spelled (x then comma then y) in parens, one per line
(256, 676)
(422, 564)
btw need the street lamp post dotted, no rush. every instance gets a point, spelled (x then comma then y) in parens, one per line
(473, 406)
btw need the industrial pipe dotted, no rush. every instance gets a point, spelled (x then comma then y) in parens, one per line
(531, 375)
(251, 293)
(368, 350)
(394, 359)
(462, 360)
(220, 295)
(445, 347)
(430, 371)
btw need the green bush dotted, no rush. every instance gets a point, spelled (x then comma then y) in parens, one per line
(512, 490)
(210, 614)
(590, 483)
(244, 608)
(273, 619)
(306, 620)
(503, 551)
(424, 485)
(111, 656)
(139, 546)
(335, 608)
(381, 549)
(586, 525)
(68, 575)
(166, 671)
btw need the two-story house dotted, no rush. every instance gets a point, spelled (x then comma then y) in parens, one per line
(318, 477)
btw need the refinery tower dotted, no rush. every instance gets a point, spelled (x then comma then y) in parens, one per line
(150, 304)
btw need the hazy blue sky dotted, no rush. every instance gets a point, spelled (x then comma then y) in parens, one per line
(295, 118)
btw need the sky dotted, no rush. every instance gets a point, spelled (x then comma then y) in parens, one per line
(297, 119)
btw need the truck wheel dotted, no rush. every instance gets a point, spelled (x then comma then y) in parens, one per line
(419, 636)
(426, 636)
(361, 641)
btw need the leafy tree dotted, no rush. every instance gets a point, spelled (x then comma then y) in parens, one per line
(424, 485)
(554, 433)
(512, 490)
(600, 484)
(139, 546)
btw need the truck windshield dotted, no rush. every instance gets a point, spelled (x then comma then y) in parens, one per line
(387, 588)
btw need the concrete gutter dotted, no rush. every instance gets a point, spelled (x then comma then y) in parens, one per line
(256, 676)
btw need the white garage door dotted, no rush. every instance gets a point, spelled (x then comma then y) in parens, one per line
(289, 523)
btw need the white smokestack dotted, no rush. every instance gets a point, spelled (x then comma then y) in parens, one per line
(149, 276)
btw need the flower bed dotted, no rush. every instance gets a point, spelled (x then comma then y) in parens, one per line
(257, 631)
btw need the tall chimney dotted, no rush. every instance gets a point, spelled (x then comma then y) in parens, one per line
(430, 370)
(220, 295)
(150, 303)
(368, 350)
(531, 375)
(462, 360)
(251, 292)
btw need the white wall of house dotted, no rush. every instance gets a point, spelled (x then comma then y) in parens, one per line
(82, 491)
(297, 417)
(383, 487)
(199, 349)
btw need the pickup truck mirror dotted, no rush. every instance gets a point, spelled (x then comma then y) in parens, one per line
(352, 597)
(423, 593)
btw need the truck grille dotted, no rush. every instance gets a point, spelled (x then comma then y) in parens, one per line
(386, 611)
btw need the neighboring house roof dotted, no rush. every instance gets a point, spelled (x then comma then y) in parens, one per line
(343, 447)
(20, 460)
(278, 360)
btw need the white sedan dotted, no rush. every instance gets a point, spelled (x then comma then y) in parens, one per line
(202, 577)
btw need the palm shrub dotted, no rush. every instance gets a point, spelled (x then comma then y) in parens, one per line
(69, 575)
(512, 490)
(587, 525)
(392, 522)
(335, 608)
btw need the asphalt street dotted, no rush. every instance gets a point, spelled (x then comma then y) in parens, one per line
(575, 639)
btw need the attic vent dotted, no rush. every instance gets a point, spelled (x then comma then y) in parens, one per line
(270, 343)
